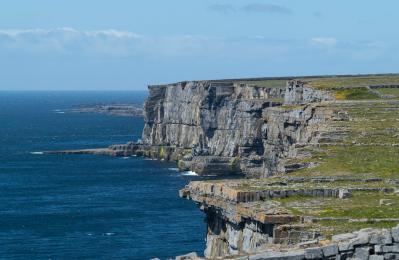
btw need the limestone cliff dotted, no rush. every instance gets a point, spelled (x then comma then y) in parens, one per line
(227, 127)
(327, 145)
(263, 130)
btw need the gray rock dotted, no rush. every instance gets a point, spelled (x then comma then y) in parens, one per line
(395, 233)
(229, 120)
(376, 257)
(330, 250)
(297, 93)
(345, 246)
(190, 256)
(390, 249)
(391, 256)
(361, 239)
(378, 249)
(344, 193)
(362, 253)
(313, 253)
(292, 255)
(381, 237)
(345, 236)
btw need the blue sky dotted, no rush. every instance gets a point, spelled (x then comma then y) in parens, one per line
(128, 44)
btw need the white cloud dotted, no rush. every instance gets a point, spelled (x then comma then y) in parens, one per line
(13, 33)
(112, 33)
(325, 41)
(112, 42)
(266, 8)
(69, 40)
(251, 8)
(66, 40)
(223, 8)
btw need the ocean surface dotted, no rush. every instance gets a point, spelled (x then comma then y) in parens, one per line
(86, 206)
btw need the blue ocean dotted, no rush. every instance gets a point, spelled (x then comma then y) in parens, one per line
(86, 206)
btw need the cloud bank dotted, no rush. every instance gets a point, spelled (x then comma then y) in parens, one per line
(325, 41)
(68, 40)
(251, 8)
(112, 42)
(266, 8)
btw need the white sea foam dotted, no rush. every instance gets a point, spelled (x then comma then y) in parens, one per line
(173, 169)
(189, 173)
(37, 153)
(60, 112)
(126, 158)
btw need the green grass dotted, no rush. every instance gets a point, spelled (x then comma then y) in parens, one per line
(332, 227)
(361, 205)
(365, 161)
(343, 82)
(266, 83)
(359, 153)
(356, 156)
(394, 92)
(355, 94)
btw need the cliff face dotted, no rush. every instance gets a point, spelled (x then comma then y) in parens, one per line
(216, 122)
(290, 128)
(226, 128)
(244, 221)
(266, 131)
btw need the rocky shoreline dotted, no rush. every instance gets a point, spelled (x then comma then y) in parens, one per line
(110, 109)
(306, 152)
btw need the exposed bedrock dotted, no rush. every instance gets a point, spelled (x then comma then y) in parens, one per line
(229, 128)
(298, 92)
(288, 128)
(238, 224)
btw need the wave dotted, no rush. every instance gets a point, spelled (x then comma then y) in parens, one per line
(173, 169)
(37, 153)
(189, 173)
(58, 111)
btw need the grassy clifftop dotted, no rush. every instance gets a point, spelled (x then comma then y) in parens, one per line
(364, 162)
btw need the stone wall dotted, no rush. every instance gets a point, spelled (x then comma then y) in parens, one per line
(373, 244)
(365, 244)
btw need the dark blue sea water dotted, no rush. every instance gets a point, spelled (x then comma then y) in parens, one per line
(80, 206)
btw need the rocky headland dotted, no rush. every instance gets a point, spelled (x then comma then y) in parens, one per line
(316, 160)
(110, 109)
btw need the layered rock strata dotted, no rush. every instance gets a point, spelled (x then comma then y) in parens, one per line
(221, 128)
(225, 128)
(244, 217)
(373, 244)
(218, 121)
(267, 130)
